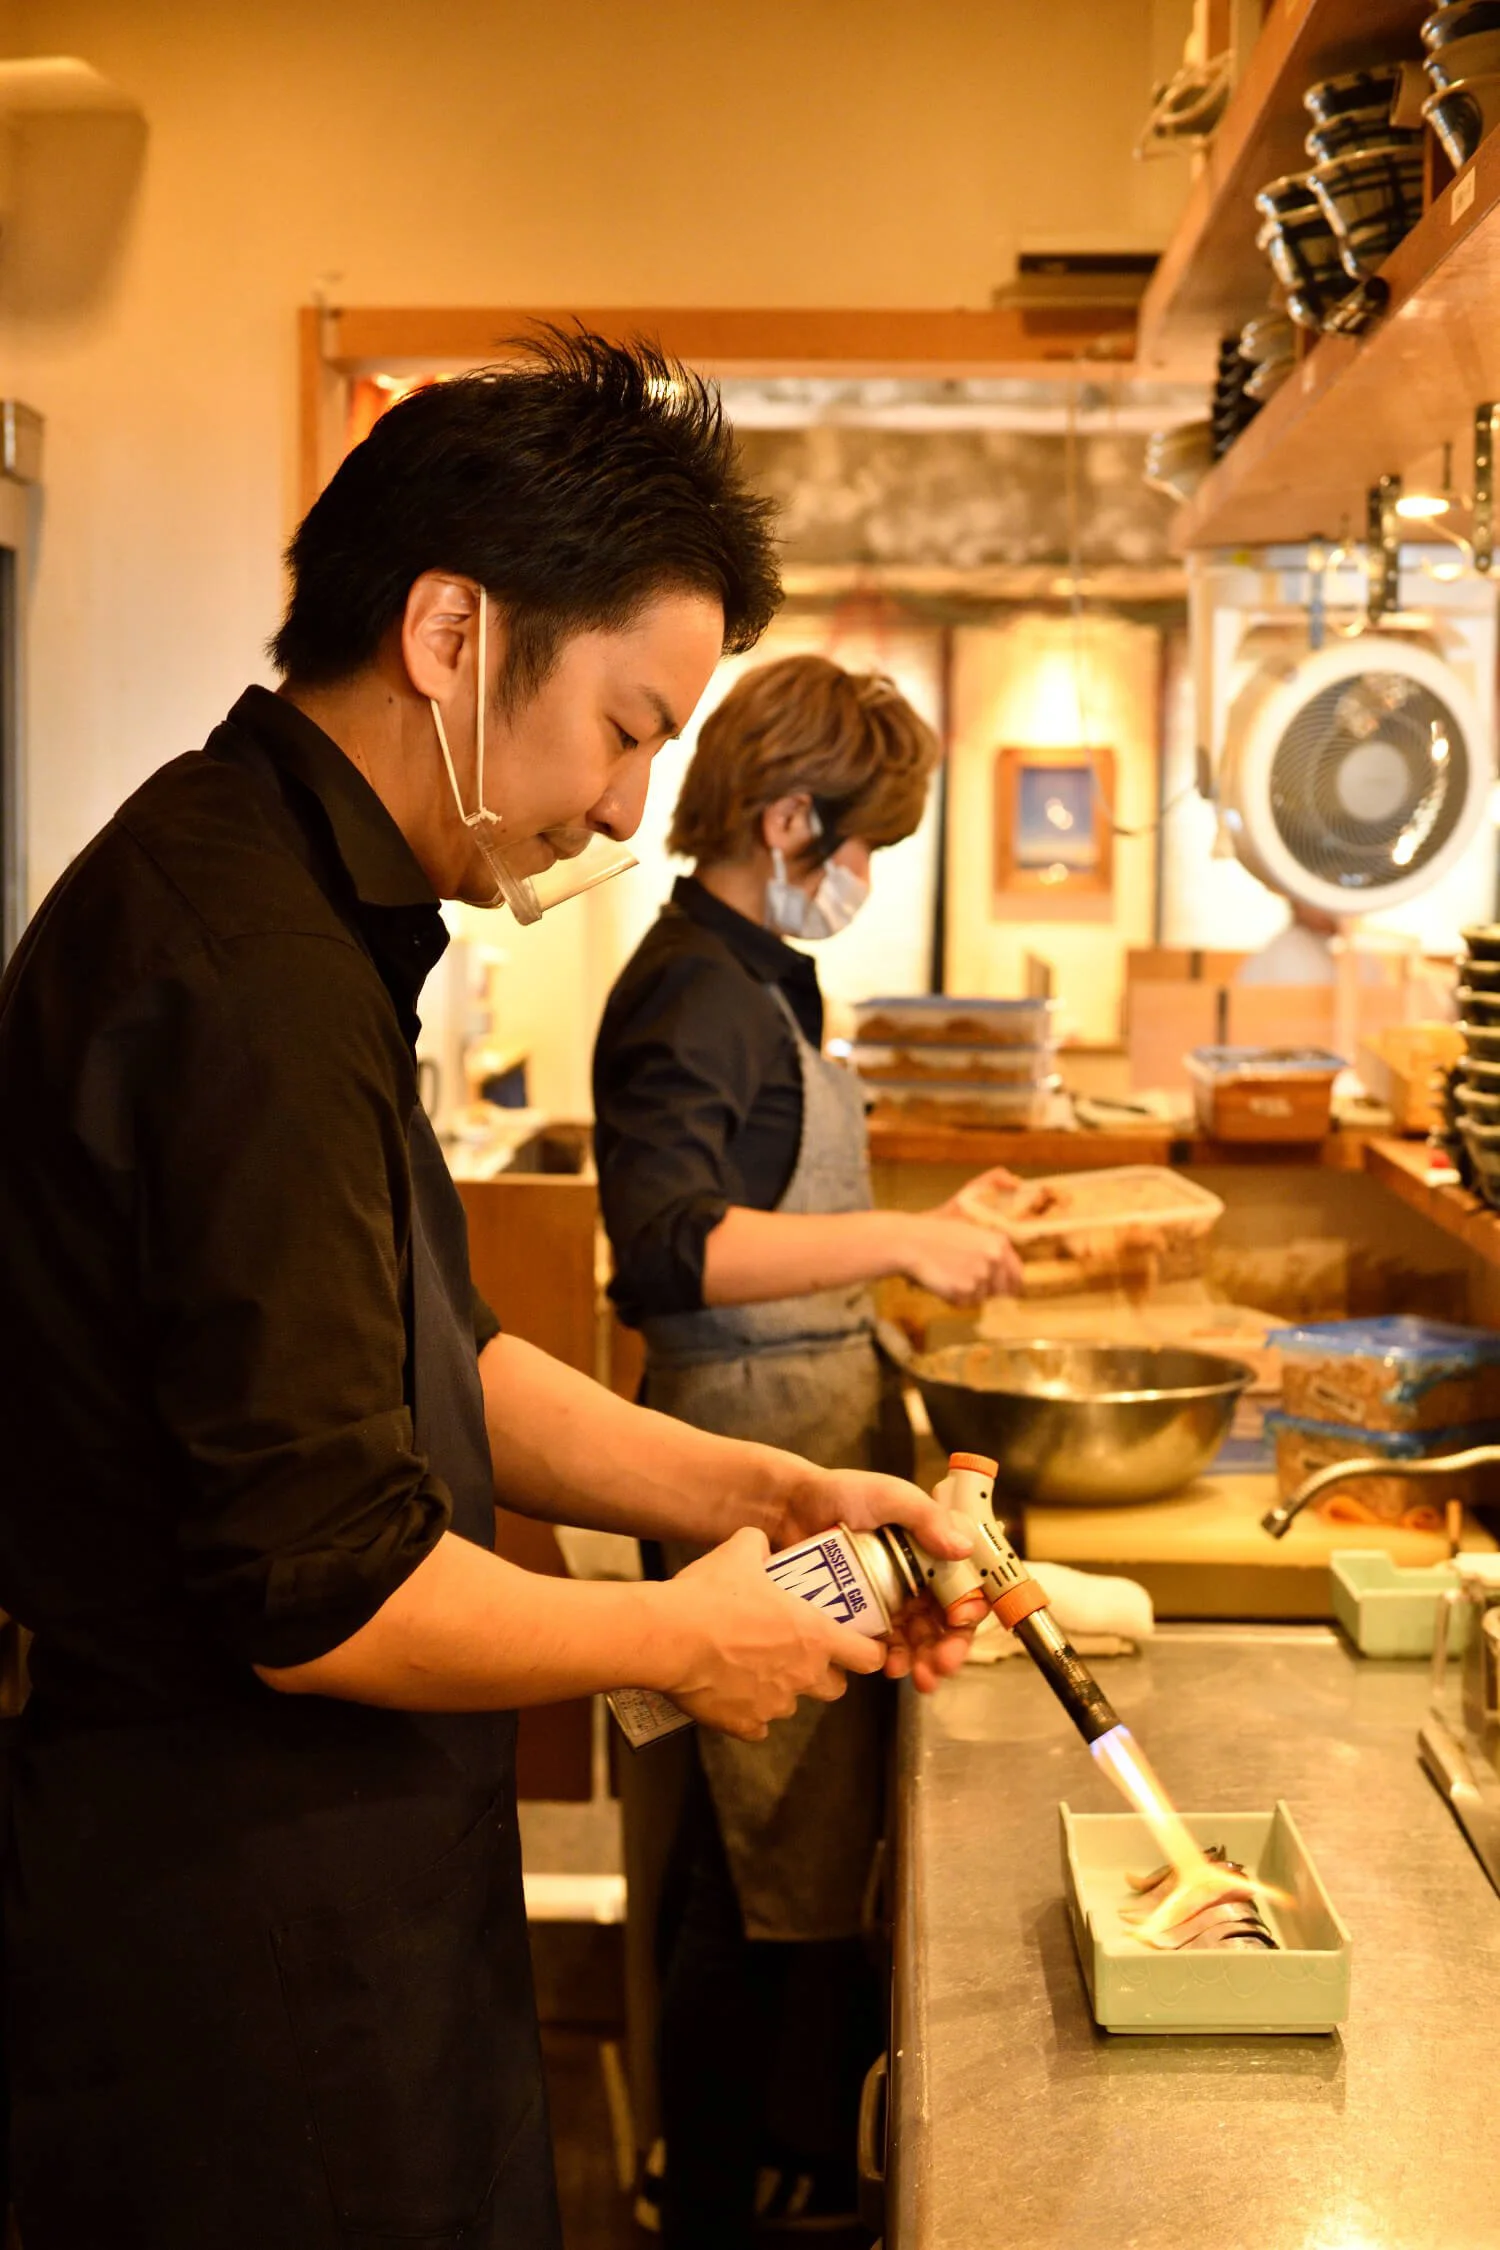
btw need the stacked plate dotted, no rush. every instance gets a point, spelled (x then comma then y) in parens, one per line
(1477, 1088)
(1463, 65)
(1268, 345)
(1177, 460)
(1233, 406)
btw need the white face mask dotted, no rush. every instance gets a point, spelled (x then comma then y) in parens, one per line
(832, 906)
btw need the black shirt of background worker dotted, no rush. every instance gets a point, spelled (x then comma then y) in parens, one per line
(697, 1092)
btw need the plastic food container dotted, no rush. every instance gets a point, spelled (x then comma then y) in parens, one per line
(978, 1066)
(1123, 1219)
(1391, 1610)
(1302, 1986)
(928, 1101)
(937, 1018)
(1394, 1374)
(1263, 1093)
(1416, 1504)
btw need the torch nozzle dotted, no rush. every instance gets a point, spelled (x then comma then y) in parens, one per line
(1067, 1675)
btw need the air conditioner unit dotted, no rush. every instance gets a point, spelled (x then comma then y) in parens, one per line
(1351, 767)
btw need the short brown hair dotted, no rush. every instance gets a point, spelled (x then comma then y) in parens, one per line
(850, 739)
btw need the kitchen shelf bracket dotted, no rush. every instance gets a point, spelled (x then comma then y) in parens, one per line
(1384, 534)
(1484, 483)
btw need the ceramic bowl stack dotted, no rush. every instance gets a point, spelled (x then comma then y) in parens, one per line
(1367, 172)
(1303, 249)
(1326, 230)
(1463, 64)
(1477, 1090)
(1178, 460)
(1268, 345)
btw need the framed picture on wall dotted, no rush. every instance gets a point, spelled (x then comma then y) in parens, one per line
(1053, 834)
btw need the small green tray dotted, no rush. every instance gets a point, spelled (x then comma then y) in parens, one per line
(1302, 1987)
(1390, 1610)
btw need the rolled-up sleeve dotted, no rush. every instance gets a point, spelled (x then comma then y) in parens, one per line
(274, 1204)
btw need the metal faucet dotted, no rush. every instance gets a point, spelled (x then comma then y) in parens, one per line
(1278, 1520)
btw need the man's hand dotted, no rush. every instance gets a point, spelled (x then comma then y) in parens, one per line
(751, 1649)
(924, 1644)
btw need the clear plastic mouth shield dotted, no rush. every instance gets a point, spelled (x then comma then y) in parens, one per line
(528, 897)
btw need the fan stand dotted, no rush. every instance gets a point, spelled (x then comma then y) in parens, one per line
(1345, 950)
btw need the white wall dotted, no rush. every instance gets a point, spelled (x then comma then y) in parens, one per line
(850, 152)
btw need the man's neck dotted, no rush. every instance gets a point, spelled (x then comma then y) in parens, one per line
(375, 727)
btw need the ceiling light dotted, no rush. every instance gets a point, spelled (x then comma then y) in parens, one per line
(1422, 507)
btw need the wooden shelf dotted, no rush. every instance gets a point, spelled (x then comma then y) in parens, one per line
(1211, 277)
(1402, 1167)
(1064, 1149)
(1058, 1150)
(1359, 409)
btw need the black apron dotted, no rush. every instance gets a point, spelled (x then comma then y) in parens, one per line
(268, 1979)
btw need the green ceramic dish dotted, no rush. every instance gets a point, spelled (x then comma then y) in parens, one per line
(1390, 1611)
(1301, 1987)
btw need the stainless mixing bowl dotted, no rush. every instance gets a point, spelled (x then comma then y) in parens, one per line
(1082, 1423)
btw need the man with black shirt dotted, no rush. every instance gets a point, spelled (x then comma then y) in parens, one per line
(265, 1941)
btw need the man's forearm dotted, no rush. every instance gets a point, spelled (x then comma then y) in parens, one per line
(567, 1450)
(468, 1631)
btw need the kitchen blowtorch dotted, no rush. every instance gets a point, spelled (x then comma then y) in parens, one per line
(995, 1570)
(863, 1578)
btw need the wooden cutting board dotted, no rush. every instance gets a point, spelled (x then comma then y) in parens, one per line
(1203, 1553)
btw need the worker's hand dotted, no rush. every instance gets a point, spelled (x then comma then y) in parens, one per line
(924, 1645)
(996, 1181)
(750, 1649)
(957, 1260)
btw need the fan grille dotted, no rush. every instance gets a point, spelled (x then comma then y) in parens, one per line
(1370, 780)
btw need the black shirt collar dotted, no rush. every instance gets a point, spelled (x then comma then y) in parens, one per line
(756, 948)
(379, 862)
(361, 859)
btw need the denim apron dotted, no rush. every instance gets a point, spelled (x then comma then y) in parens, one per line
(800, 1813)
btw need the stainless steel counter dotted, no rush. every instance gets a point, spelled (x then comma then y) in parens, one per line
(1015, 2122)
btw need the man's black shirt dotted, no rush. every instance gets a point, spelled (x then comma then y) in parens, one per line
(206, 1078)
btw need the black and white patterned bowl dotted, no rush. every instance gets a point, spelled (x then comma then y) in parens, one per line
(1372, 91)
(1462, 21)
(1462, 117)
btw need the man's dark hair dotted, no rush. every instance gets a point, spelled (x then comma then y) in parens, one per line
(573, 484)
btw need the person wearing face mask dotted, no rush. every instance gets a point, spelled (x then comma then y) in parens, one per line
(734, 1183)
(268, 1980)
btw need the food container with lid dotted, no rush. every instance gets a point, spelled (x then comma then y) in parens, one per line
(920, 1060)
(950, 1020)
(932, 1101)
(1087, 1227)
(1263, 1093)
(1398, 1373)
(1385, 1496)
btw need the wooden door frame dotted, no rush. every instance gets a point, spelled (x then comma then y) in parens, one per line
(336, 344)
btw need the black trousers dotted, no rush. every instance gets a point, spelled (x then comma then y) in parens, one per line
(764, 2047)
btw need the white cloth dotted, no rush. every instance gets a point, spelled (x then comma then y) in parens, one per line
(1101, 1616)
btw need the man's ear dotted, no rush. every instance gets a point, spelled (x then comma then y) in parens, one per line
(786, 825)
(438, 632)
